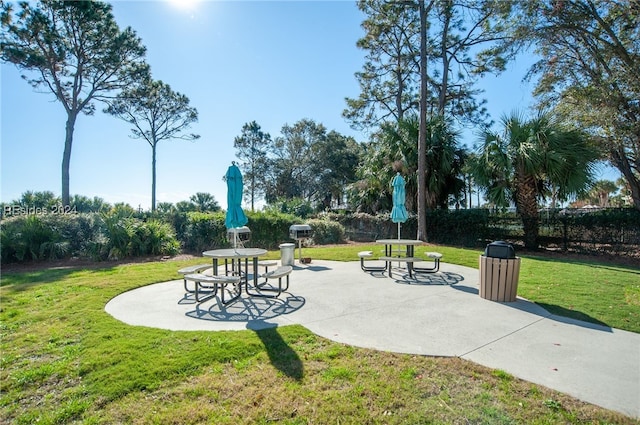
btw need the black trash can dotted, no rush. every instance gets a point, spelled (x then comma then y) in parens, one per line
(499, 272)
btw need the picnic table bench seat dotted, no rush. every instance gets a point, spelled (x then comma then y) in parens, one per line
(190, 270)
(266, 264)
(279, 273)
(209, 284)
(411, 261)
(435, 257)
(365, 255)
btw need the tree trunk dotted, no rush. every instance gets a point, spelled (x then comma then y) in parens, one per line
(399, 106)
(153, 177)
(66, 156)
(442, 98)
(527, 206)
(422, 133)
(470, 193)
(253, 184)
(621, 162)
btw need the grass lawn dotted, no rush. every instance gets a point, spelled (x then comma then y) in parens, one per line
(64, 360)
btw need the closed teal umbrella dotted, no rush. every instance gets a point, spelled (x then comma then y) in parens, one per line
(235, 216)
(399, 211)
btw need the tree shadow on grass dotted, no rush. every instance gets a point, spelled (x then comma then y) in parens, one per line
(569, 316)
(22, 280)
(629, 266)
(282, 356)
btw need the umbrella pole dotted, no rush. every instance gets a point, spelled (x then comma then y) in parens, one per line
(398, 239)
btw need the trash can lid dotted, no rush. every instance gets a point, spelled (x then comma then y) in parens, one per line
(500, 249)
(286, 245)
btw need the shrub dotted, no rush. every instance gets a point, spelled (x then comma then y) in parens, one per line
(22, 237)
(364, 227)
(119, 232)
(97, 236)
(326, 232)
(204, 231)
(125, 236)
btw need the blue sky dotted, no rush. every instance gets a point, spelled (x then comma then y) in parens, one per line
(240, 61)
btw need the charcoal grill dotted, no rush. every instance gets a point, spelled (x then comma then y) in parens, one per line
(300, 232)
(238, 235)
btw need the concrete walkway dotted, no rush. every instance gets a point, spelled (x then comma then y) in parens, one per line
(437, 314)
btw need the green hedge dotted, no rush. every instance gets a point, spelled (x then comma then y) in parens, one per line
(121, 234)
(461, 228)
(363, 227)
(470, 228)
(269, 230)
(203, 231)
(614, 231)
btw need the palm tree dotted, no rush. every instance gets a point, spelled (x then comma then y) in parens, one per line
(601, 192)
(444, 162)
(165, 207)
(204, 202)
(521, 164)
(394, 149)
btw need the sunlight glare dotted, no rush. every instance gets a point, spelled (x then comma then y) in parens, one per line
(184, 4)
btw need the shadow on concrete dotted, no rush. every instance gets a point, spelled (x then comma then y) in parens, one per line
(312, 268)
(248, 309)
(438, 278)
(548, 311)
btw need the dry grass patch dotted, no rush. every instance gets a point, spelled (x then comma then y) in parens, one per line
(346, 385)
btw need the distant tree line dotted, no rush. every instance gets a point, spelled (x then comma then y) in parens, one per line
(418, 89)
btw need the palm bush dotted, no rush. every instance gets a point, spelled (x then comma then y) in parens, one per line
(128, 236)
(161, 238)
(25, 238)
(119, 232)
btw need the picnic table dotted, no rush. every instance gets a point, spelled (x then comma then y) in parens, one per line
(394, 252)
